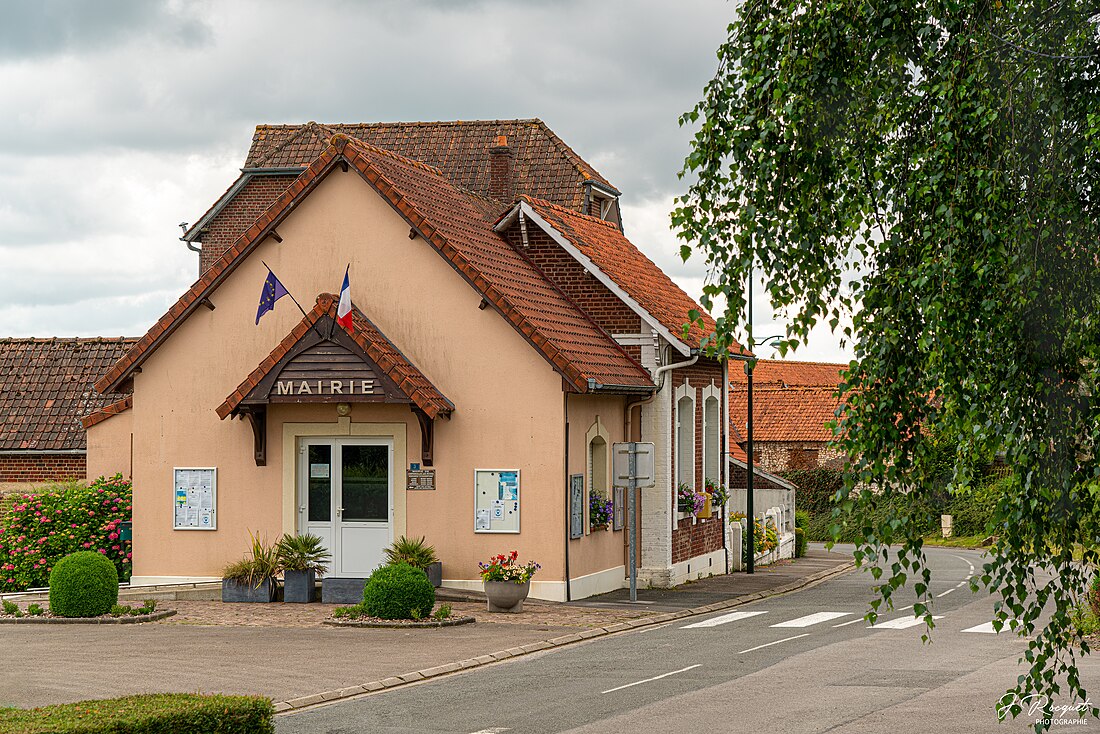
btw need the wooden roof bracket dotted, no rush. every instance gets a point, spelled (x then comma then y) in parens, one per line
(257, 418)
(427, 436)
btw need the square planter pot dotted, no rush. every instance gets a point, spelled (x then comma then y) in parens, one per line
(435, 573)
(707, 511)
(342, 591)
(299, 586)
(235, 591)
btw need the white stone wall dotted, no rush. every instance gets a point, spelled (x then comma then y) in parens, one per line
(656, 552)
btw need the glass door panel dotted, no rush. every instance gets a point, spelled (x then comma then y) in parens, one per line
(365, 475)
(320, 483)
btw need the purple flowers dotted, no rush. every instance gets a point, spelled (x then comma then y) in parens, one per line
(600, 510)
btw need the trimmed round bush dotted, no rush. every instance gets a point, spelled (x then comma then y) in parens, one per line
(398, 592)
(83, 584)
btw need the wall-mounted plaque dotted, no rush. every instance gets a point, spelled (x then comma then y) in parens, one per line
(421, 479)
(576, 506)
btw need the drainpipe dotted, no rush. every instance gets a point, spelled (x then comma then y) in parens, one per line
(568, 499)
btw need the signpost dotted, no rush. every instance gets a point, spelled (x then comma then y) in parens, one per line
(632, 466)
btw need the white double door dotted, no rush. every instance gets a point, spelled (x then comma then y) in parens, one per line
(345, 496)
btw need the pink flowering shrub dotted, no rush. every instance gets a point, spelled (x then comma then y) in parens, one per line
(43, 528)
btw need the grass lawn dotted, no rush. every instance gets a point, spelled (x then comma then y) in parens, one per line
(957, 541)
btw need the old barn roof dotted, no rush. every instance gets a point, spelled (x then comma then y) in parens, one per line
(785, 414)
(458, 224)
(46, 388)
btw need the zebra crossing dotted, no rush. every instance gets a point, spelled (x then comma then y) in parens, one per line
(902, 622)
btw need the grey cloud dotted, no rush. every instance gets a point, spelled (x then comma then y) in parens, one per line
(40, 28)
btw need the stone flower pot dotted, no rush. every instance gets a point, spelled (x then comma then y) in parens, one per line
(235, 591)
(299, 586)
(506, 596)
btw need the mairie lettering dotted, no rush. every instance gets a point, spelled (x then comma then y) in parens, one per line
(324, 387)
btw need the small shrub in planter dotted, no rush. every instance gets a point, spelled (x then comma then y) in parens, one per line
(393, 592)
(83, 584)
(799, 542)
(418, 554)
(252, 579)
(302, 559)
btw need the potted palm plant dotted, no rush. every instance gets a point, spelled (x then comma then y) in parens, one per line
(252, 578)
(302, 559)
(418, 554)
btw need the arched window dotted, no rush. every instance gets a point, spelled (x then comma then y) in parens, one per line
(598, 470)
(712, 431)
(685, 435)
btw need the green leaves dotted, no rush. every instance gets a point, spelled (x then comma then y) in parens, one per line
(928, 173)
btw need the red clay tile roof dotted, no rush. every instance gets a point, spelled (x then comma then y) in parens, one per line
(459, 226)
(46, 387)
(107, 411)
(543, 165)
(602, 243)
(788, 373)
(374, 343)
(784, 414)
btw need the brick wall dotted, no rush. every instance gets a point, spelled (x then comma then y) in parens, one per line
(238, 215)
(695, 539)
(594, 298)
(42, 467)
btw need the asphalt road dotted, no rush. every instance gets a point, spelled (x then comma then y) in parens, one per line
(803, 662)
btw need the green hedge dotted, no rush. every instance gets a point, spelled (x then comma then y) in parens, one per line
(398, 592)
(161, 713)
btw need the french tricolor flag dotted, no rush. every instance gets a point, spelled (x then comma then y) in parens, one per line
(343, 311)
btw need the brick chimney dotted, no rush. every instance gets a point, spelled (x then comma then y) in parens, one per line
(500, 170)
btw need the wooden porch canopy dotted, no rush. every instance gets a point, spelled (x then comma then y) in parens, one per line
(321, 362)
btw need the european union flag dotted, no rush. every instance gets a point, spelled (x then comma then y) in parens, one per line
(273, 291)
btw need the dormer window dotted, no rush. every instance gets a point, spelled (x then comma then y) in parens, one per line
(603, 202)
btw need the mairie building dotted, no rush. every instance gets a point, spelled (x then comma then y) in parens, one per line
(502, 336)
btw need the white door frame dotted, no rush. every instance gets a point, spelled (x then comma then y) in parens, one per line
(335, 529)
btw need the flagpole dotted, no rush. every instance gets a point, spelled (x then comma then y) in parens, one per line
(314, 326)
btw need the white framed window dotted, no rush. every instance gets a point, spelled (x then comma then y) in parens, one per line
(685, 435)
(712, 434)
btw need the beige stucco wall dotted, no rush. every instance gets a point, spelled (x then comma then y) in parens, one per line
(598, 550)
(109, 446)
(508, 399)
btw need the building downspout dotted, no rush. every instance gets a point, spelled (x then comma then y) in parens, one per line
(725, 451)
(568, 498)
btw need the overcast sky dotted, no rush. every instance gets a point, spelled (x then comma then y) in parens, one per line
(122, 119)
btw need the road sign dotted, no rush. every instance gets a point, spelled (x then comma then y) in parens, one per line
(643, 464)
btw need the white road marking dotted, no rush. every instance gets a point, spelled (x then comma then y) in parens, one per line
(945, 593)
(769, 644)
(492, 730)
(985, 629)
(648, 680)
(723, 619)
(850, 621)
(812, 619)
(901, 623)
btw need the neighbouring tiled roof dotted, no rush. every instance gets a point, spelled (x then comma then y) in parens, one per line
(784, 414)
(615, 255)
(459, 225)
(373, 342)
(46, 388)
(788, 373)
(543, 165)
(107, 411)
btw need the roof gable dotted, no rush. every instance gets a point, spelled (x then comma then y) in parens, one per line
(458, 225)
(46, 388)
(306, 341)
(623, 268)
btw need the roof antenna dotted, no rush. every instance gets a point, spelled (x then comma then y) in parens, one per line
(183, 226)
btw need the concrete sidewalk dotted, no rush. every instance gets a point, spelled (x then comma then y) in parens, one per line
(724, 588)
(298, 666)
